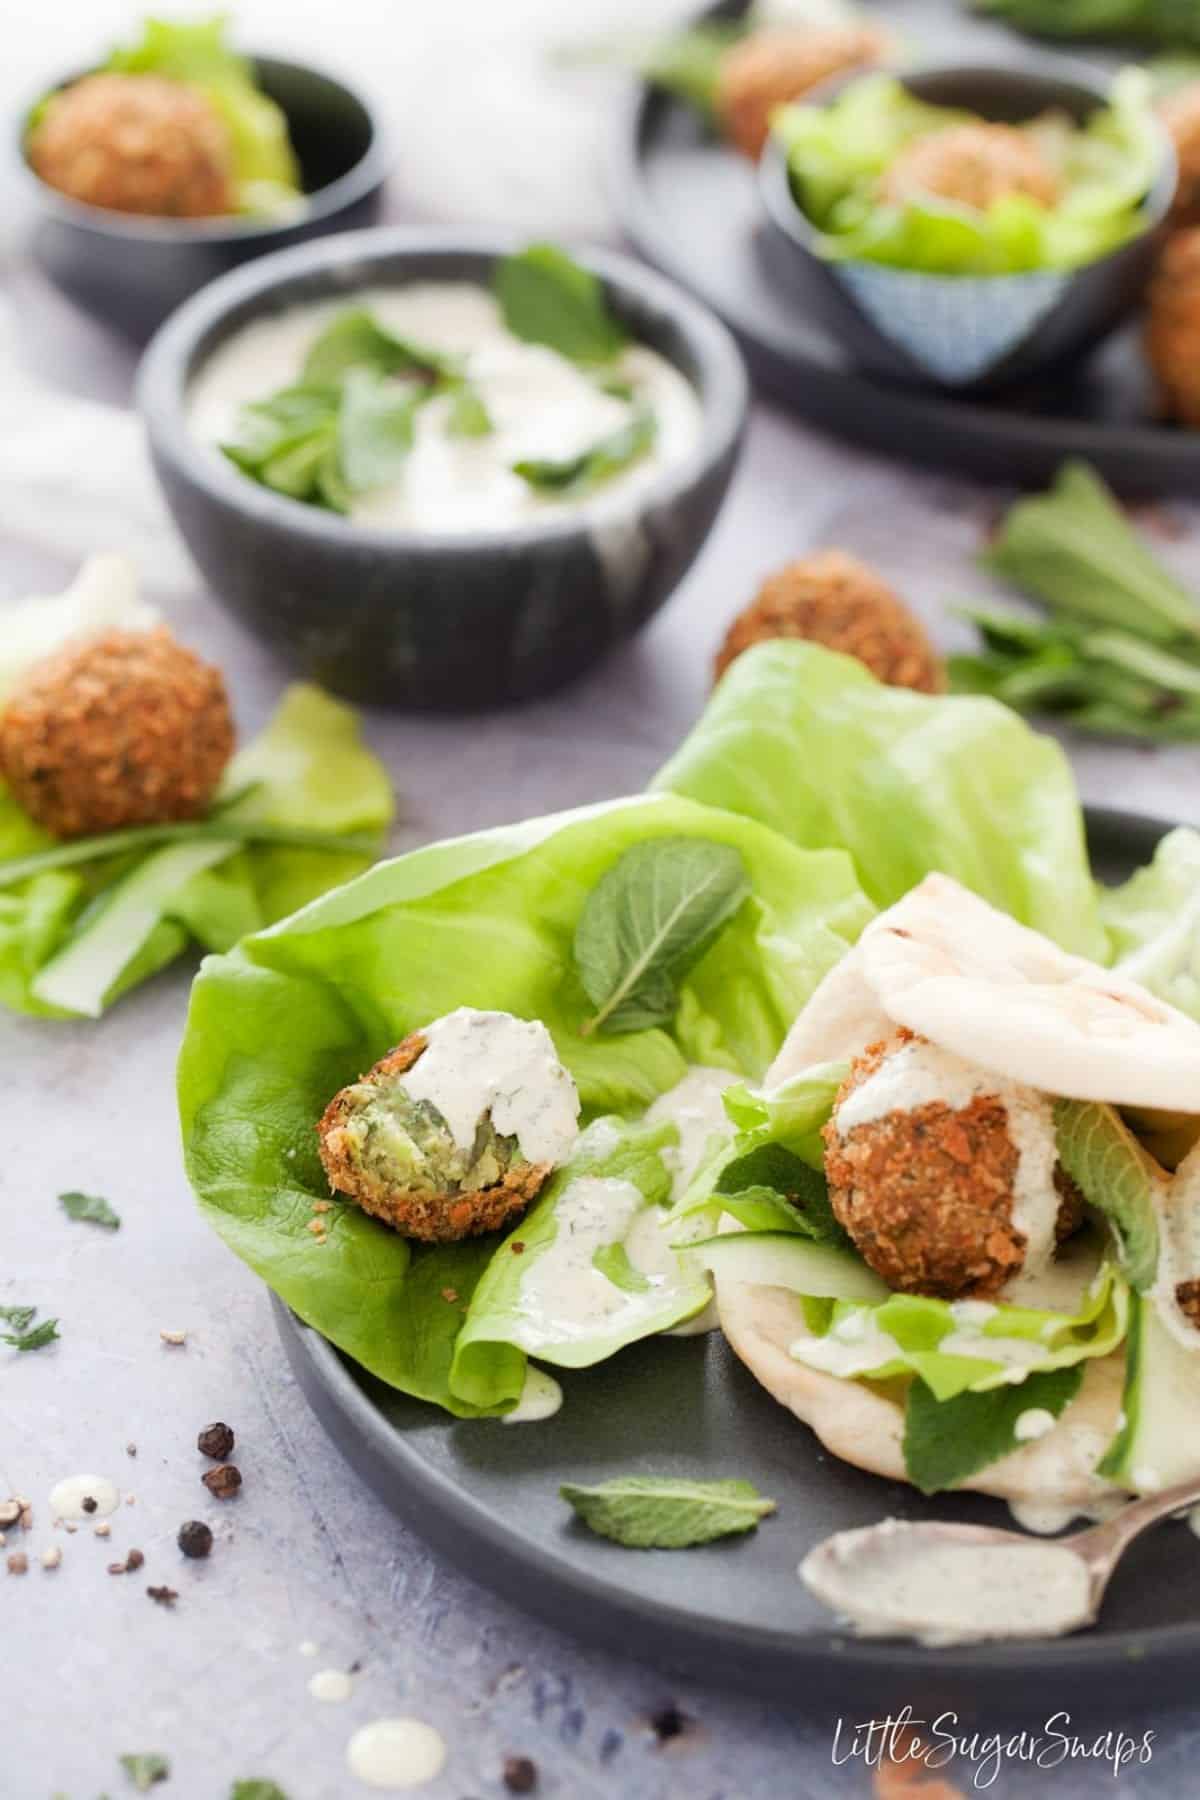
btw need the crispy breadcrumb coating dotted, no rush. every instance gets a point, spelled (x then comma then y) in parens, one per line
(973, 165)
(835, 600)
(1180, 113)
(136, 144)
(927, 1194)
(438, 1214)
(129, 728)
(773, 67)
(1173, 326)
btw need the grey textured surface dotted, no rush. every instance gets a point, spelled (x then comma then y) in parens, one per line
(93, 1668)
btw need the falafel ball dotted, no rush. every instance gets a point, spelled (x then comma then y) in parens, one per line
(1173, 326)
(772, 68)
(397, 1158)
(136, 144)
(835, 600)
(927, 1192)
(128, 728)
(1180, 113)
(974, 165)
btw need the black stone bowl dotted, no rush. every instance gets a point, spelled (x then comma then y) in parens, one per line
(436, 620)
(131, 271)
(970, 333)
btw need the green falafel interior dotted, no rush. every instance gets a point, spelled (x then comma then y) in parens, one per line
(839, 154)
(800, 758)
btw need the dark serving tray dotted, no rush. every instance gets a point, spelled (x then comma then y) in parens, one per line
(486, 1494)
(691, 207)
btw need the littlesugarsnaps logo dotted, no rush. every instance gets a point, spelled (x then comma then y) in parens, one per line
(902, 1739)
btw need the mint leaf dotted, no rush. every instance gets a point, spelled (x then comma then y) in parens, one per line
(947, 1441)
(144, 1768)
(469, 417)
(91, 1207)
(375, 428)
(547, 298)
(612, 1261)
(256, 1790)
(605, 458)
(19, 1317)
(648, 921)
(651, 1512)
(36, 1339)
(1074, 549)
(356, 340)
(1116, 1176)
(770, 1188)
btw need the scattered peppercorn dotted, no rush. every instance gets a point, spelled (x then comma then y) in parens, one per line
(18, 1563)
(131, 1449)
(195, 1538)
(134, 1559)
(88, 1504)
(163, 1596)
(223, 1482)
(670, 1722)
(216, 1440)
(520, 1774)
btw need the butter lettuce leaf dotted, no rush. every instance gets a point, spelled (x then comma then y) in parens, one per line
(277, 1025)
(960, 1346)
(1153, 922)
(838, 152)
(74, 941)
(528, 1301)
(807, 741)
(198, 53)
(948, 1441)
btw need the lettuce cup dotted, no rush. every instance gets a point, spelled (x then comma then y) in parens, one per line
(970, 227)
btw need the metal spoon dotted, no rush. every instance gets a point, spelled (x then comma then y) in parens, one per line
(1004, 1583)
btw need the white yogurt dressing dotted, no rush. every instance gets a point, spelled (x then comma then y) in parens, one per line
(891, 1581)
(541, 405)
(563, 1293)
(920, 1073)
(490, 1062)
(331, 1685)
(1046, 1517)
(396, 1753)
(1032, 1424)
(67, 1497)
(695, 1107)
(541, 1397)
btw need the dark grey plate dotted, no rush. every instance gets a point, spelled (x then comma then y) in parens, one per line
(486, 1494)
(692, 207)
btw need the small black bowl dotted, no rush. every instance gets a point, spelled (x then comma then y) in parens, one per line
(971, 333)
(131, 271)
(431, 620)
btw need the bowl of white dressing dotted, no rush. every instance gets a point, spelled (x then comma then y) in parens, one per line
(477, 516)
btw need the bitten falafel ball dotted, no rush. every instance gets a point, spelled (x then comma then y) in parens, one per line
(396, 1156)
(1173, 326)
(1180, 113)
(973, 165)
(927, 1190)
(129, 728)
(136, 144)
(772, 68)
(835, 600)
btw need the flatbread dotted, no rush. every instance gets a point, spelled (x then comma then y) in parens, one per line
(955, 970)
(862, 1426)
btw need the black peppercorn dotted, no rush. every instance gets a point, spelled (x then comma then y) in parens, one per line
(88, 1504)
(520, 1774)
(223, 1482)
(216, 1441)
(195, 1538)
(133, 1559)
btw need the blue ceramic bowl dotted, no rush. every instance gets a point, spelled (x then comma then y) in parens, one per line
(131, 271)
(971, 332)
(420, 619)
